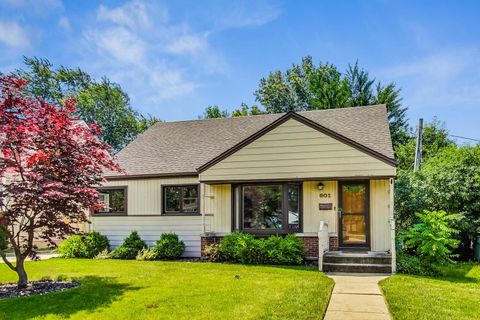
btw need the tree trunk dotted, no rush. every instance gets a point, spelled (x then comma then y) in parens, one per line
(22, 274)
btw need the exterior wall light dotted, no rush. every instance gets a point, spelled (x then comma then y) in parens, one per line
(320, 186)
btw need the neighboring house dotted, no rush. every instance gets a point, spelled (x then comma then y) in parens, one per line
(266, 174)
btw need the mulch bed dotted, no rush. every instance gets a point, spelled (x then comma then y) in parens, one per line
(10, 290)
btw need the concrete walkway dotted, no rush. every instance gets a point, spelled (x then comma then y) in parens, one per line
(357, 297)
(41, 256)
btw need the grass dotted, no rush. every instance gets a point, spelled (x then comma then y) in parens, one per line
(113, 289)
(455, 295)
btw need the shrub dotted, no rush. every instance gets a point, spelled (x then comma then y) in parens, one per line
(244, 248)
(432, 238)
(130, 247)
(147, 254)
(169, 246)
(238, 247)
(288, 250)
(103, 255)
(87, 245)
(212, 253)
(409, 264)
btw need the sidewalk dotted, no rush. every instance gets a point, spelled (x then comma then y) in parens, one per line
(41, 256)
(357, 297)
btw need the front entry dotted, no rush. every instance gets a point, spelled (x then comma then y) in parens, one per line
(353, 214)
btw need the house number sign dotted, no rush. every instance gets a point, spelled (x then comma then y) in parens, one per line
(325, 195)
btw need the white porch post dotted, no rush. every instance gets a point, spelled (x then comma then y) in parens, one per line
(392, 226)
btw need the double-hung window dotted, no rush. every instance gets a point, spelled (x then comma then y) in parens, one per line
(181, 199)
(114, 201)
(268, 208)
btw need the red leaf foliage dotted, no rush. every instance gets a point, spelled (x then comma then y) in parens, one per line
(50, 164)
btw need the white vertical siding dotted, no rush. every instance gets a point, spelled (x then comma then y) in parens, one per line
(144, 215)
(379, 215)
(218, 204)
(312, 215)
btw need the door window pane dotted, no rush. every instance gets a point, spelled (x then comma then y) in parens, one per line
(262, 207)
(353, 213)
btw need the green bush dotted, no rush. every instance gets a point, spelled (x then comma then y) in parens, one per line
(87, 245)
(410, 264)
(245, 248)
(433, 238)
(212, 253)
(169, 246)
(130, 247)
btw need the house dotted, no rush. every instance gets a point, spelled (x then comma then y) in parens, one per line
(324, 175)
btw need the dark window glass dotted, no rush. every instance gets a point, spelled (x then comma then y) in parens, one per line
(181, 199)
(274, 207)
(262, 207)
(293, 206)
(114, 201)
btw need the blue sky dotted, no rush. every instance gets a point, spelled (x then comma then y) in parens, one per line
(176, 57)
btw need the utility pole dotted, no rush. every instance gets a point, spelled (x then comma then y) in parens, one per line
(418, 148)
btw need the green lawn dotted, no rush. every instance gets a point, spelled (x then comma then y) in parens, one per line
(453, 296)
(113, 289)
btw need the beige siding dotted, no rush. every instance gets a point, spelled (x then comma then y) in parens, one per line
(144, 216)
(294, 150)
(218, 205)
(312, 215)
(380, 214)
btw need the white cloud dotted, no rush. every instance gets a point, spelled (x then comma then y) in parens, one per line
(118, 43)
(132, 14)
(64, 23)
(255, 14)
(439, 79)
(187, 44)
(13, 35)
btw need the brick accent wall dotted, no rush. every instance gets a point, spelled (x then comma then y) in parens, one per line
(333, 243)
(311, 247)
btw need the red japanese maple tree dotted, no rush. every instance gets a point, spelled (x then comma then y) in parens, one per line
(50, 164)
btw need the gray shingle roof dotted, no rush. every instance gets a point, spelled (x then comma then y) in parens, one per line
(170, 148)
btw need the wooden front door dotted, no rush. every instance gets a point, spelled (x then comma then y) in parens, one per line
(353, 214)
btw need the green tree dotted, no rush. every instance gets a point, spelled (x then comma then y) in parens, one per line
(212, 112)
(104, 102)
(245, 110)
(434, 138)
(307, 86)
(448, 180)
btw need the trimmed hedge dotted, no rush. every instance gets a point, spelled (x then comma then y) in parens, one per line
(245, 248)
(130, 247)
(85, 245)
(169, 246)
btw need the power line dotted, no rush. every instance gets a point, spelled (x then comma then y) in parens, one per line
(452, 135)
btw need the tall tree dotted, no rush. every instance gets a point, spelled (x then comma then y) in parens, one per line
(307, 86)
(212, 112)
(101, 102)
(50, 164)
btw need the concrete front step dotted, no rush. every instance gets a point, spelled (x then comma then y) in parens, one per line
(357, 258)
(357, 267)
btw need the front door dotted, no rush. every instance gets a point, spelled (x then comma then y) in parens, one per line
(353, 214)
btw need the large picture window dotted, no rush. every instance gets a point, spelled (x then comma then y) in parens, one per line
(274, 208)
(181, 199)
(114, 200)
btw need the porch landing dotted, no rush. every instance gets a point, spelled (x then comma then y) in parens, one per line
(357, 262)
